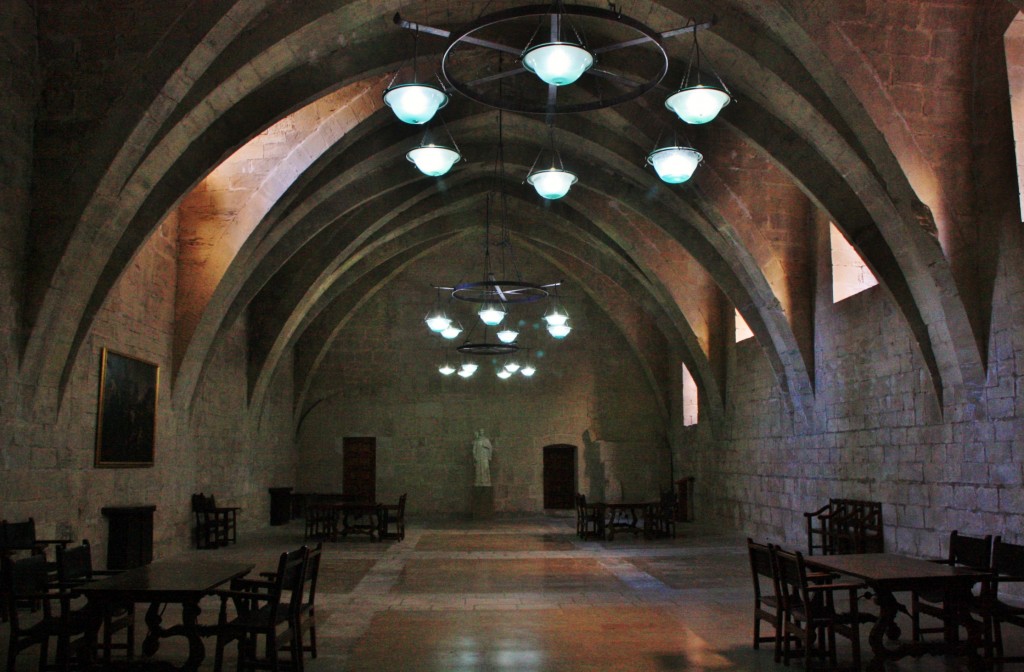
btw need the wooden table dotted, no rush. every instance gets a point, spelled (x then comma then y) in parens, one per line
(624, 517)
(350, 517)
(173, 582)
(887, 573)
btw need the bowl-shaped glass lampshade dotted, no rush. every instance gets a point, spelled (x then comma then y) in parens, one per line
(507, 335)
(558, 63)
(433, 160)
(468, 369)
(698, 104)
(492, 314)
(437, 321)
(415, 102)
(552, 183)
(559, 331)
(528, 370)
(556, 316)
(675, 164)
(451, 331)
(504, 374)
(512, 366)
(446, 369)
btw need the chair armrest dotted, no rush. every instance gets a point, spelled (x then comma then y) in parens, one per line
(55, 542)
(241, 595)
(250, 583)
(819, 512)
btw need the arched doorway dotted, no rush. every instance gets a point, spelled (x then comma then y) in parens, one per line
(559, 476)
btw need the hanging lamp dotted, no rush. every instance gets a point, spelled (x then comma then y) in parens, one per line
(414, 102)
(432, 158)
(559, 61)
(695, 102)
(552, 182)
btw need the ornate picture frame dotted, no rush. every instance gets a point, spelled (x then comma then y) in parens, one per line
(126, 415)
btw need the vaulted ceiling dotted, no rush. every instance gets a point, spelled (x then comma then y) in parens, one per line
(259, 125)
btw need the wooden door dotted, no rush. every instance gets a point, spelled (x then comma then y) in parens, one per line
(559, 476)
(359, 477)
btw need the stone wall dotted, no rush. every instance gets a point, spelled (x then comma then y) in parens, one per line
(877, 433)
(380, 379)
(48, 468)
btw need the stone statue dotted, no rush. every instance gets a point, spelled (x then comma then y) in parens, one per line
(482, 451)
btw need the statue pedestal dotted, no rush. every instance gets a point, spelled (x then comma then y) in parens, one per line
(482, 504)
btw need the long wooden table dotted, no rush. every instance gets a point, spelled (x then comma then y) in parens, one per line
(354, 518)
(183, 582)
(888, 573)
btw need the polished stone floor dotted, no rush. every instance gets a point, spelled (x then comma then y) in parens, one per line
(524, 595)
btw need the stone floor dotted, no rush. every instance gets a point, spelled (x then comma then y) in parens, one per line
(525, 595)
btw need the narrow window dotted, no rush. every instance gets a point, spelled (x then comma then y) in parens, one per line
(849, 273)
(743, 331)
(690, 404)
(1013, 42)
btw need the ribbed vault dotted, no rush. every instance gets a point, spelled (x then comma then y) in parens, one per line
(346, 213)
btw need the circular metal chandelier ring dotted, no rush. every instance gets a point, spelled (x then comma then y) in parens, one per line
(488, 348)
(500, 291)
(643, 34)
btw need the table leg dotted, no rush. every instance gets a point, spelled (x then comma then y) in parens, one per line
(190, 620)
(189, 629)
(151, 643)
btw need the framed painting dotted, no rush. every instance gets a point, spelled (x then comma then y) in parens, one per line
(126, 421)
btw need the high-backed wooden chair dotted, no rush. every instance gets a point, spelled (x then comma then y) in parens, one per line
(767, 601)
(265, 610)
(810, 616)
(21, 536)
(391, 518)
(591, 518)
(1008, 566)
(964, 551)
(215, 526)
(74, 567)
(28, 580)
(307, 609)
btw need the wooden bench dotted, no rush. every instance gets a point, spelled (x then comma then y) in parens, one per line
(845, 526)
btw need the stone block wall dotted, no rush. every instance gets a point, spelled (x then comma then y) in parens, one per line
(380, 379)
(48, 470)
(878, 432)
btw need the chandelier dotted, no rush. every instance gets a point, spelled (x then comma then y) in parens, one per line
(537, 60)
(496, 299)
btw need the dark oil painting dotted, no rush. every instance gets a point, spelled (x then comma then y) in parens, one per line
(126, 426)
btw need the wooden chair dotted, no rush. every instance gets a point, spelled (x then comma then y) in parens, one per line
(389, 514)
(266, 609)
(591, 524)
(22, 537)
(230, 516)
(767, 602)
(964, 551)
(28, 580)
(321, 521)
(660, 517)
(215, 526)
(845, 526)
(1008, 566)
(809, 611)
(74, 567)
(307, 609)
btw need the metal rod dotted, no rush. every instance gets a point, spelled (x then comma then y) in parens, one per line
(500, 75)
(412, 25)
(689, 29)
(622, 45)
